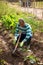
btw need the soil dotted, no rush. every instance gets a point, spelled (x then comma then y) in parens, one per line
(6, 47)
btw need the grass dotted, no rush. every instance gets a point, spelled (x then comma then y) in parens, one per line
(5, 9)
(35, 24)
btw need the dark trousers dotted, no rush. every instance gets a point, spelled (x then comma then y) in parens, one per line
(23, 37)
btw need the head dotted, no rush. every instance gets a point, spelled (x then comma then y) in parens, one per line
(21, 22)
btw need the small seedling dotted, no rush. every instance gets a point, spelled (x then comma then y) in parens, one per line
(31, 58)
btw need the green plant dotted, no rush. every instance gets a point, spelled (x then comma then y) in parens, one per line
(3, 8)
(32, 58)
(9, 21)
(3, 62)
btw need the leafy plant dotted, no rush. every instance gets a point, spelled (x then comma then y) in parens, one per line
(32, 58)
(10, 16)
(3, 62)
(10, 20)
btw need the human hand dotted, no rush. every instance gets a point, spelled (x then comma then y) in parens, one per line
(21, 44)
(15, 39)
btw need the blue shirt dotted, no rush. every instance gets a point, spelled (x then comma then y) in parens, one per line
(26, 29)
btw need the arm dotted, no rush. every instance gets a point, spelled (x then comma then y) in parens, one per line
(16, 32)
(16, 35)
(28, 33)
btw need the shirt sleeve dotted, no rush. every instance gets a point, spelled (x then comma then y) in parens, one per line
(28, 33)
(16, 32)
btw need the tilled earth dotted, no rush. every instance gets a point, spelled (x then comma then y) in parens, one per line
(6, 47)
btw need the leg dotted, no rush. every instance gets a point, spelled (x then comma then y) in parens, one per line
(28, 42)
(22, 37)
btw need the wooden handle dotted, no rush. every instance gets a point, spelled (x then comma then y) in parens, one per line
(17, 44)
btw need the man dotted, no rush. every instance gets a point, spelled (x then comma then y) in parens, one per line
(25, 31)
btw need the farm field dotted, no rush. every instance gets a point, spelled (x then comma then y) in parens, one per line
(9, 16)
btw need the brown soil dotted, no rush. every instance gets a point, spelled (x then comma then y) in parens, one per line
(6, 39)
